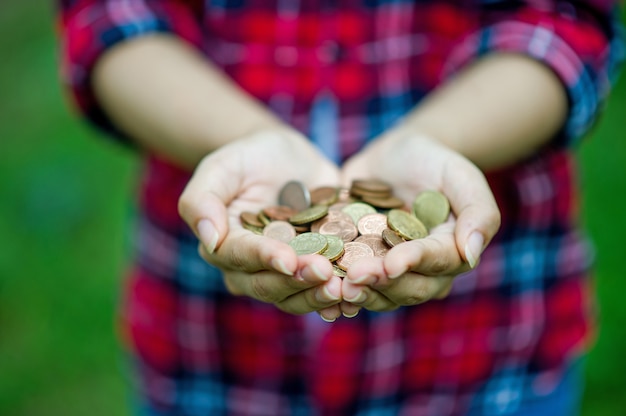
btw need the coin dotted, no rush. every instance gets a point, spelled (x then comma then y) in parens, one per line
(256, 230)
(384, 203)
(264, 218)
(431, 208)
(334, 249)
(406, 225)
(338, 272)
(309, 243)
(347, 231)
(251, 218)
(324, 195)
(279, 212)
(331, 216)
(371, 186)
(391, 237)
(295, 195)
(353, 251)
(358, 209)
(372, 224)
(280, 230)
(309, 215)
(376, 243)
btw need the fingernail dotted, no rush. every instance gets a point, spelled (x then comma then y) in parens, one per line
(474, 248)
(279, 265)
(361, 279)
(396, 275)
(208, 235)
(360, 298)
(326, 296)
(327, 320)
(351, 315)
(318, 273)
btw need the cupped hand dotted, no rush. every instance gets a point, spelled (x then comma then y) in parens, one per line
(419, 270)
(247, 175)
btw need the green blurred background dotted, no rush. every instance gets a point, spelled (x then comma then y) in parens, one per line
(66, 201)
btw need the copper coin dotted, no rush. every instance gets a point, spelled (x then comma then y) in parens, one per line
(385, 203)
(338, 206)
(324, 195)
(344, 195)
(354, 251)
(347, 231)
(280, 230)
(391, 237)
(251, 218)
(376, 242)
(279, 212)
(331, 216)
(372, 224)
(301, 228)
(264, 218)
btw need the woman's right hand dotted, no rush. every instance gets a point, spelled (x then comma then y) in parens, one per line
(247, 175)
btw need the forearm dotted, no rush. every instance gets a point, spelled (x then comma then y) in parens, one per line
(172, 101)
(496, 112)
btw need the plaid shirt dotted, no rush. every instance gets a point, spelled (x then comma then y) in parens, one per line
(342, 72)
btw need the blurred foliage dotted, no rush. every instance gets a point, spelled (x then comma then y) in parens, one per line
(65, 203)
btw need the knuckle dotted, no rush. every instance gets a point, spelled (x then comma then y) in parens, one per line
(262, 292)
(440, 264)
(231, 287)
(420, 294)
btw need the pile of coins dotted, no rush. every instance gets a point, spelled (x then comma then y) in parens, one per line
(345, 225)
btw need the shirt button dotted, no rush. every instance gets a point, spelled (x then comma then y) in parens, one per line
(286, 55)
(328, 52)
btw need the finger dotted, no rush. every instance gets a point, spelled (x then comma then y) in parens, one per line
(434, 255)
(266, 286)
(245, 251)
(349, 310)
(413, 289)
(478, 216)
(366, 271)
(203, 202)
(330, 314)
(317, 298)
(368, 298)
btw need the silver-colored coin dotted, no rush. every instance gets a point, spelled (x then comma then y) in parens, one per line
(295, 195)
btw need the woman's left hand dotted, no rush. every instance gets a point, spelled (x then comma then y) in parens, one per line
(423, 269)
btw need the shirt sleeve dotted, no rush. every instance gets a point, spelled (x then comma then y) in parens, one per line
(581, 41)
(88, 28)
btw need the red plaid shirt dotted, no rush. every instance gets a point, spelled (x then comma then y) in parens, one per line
(342, 72)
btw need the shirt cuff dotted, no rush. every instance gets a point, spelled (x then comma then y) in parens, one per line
(581, 55)
(87, 31)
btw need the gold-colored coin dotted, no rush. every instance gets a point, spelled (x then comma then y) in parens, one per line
(405, 224)
(338, 272)
(391, 237)
(309, 215)
(309, 243)
(254, 229)
(334, 249)
(431, 208)
(264, 218)
(384, 203)
(356, 210)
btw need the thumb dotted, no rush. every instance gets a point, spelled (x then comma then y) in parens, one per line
(477, 214)
(202, 205)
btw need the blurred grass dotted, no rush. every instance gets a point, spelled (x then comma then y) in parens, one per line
(64, 203)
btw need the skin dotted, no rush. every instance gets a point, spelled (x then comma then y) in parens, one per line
(171, 101)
